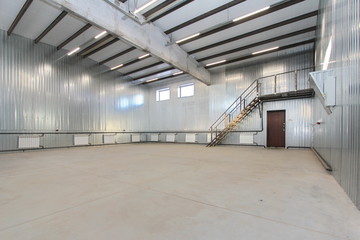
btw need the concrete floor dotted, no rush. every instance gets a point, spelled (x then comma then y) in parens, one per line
(171, 191)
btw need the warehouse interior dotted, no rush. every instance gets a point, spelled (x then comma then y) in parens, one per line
(179, 119)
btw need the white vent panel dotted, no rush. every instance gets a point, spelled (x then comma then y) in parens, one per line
(109, 139)
(135, 138)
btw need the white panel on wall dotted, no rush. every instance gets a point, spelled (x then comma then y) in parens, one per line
(81, 140)
(246, 138)
(190, 137)
(154, 138)
(208, 138)
(170, 137)
(109, 139)
(135, 137)
(29, 142)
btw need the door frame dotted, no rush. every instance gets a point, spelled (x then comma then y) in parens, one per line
(267, 125)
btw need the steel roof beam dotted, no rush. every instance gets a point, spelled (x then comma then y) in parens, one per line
(19, 16)
(94, 45)
(292, 34)
(146, 36)
(75, 35)
(260, 54)
(257, 31)
(230, 24)
(205, 15)
(117, 55)
(186, 2)
(101, 47)
(51, 26)
(158, 8)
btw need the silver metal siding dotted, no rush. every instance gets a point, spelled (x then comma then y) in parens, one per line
(338, 137)
(43, 90)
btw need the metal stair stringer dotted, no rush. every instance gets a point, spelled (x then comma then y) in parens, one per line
(233, 123)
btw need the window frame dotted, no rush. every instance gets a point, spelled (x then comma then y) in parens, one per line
(183, 86)
(158, 94)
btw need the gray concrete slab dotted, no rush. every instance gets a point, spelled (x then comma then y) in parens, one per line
(171, 191)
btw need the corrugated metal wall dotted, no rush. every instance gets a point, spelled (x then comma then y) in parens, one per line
(198, 112)
(44, 90)
(337, 139)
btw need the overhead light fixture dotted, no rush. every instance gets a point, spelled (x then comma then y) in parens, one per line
(250, 14)
(177, 73)
(116, 67)
(266, 50)
(187, 38)
(214, 63)
(153, 79)
(73, 51)
(145, 6)
(100, 34)
(144, 56)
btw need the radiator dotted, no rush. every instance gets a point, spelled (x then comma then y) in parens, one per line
(246, 138)
(190, 137)
(154, 137)
(81, 140)
(170, 137)
(109, 139)
(29, 142)
(135, 137)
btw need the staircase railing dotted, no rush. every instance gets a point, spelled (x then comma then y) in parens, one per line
(256, 89)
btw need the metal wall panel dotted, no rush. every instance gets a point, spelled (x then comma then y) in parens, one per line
(45, 90)
(337, 138)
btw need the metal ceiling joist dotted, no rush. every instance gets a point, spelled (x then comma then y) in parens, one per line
(144, 68)
(147, 36)
(233, 60)
(158, 8)
(154, 73)
(117, 55)
(75, 35)
(311, 41)
(94, 45)
(101, 47)
(205, 15)
(19, 16)
(248, 34)
(257, 31)
(292, 34)
(163, 78)
(51, 26)
(186, 2)
(230, 24)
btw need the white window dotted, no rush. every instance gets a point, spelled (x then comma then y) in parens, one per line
(163, 94)
(186, 90)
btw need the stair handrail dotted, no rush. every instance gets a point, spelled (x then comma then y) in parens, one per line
(226, 113)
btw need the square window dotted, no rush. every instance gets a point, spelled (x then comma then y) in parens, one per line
(162, 94)
(186, 90)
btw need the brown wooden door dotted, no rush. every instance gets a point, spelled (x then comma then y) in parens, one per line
(276, 129)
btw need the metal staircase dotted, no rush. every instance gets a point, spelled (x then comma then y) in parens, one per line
(282, 87)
